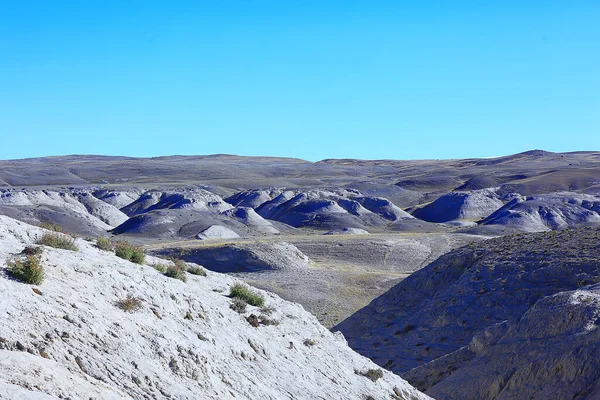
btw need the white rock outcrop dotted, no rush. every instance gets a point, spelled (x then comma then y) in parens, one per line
(460, 206)
(347, 231)
(67, 338)
(217, 232)
(547, 212)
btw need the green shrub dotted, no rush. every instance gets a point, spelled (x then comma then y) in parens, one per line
(58, 240)
(129, 252)
(240, 291)
(196, 270)
(51, 226)
(176, 272)
(138, 256)
(28, 270)
(162, 268)
(124, 250)
(105, 244)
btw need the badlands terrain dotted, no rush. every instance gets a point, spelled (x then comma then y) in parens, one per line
(101, 327)
(469, 278)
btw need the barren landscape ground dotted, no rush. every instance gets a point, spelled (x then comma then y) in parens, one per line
(356, 242)
(165, 204)
(344, 274)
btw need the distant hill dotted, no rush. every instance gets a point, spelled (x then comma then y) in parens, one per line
(528, 171)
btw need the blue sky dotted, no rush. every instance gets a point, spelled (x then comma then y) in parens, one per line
(308, 79)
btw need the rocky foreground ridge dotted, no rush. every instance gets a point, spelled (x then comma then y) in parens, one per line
(70, 337)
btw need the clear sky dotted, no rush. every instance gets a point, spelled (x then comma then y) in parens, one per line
(308, 79)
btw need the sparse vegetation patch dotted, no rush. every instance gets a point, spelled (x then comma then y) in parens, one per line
(162, 268)
(242, 292)
(176, 272)
(32, 250)
(129, 252)
(238, 305)
(51, 226)
(129, 304)
(105, 244)
(373, 374)
(58, 240)
(253, 320)
(192, 269)
(28, 270)
(196, 270)
(267, 310)
(264, 320)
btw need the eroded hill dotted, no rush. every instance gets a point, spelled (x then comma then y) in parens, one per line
(499, 318)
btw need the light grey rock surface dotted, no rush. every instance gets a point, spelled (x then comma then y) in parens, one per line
(184, 212)
(546, 212)
(179, 199)
(469, 206)
(254, 197)
(326, 208)
(105, 212)
(245, 256)
(71, 340)
(251, 219)
(217, 232)
(118, 197)
(74, 211)
(347, 231)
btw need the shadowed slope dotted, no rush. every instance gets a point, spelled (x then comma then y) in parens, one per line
(440, 308)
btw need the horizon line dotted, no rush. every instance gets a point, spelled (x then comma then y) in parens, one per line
(294, 158)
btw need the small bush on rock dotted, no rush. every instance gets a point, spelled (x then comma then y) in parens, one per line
(105, 244)
(32, 251)
(267, 310)
(58, 240)
(138, 257)
(238, 305)
(29, 270)
(264, 320)
(373, 374)
(160, 267)
(129, 252)
(196, 270)
(129, 304)
(192, 269)
(51, 226)
(242, 292)
(176, 272)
